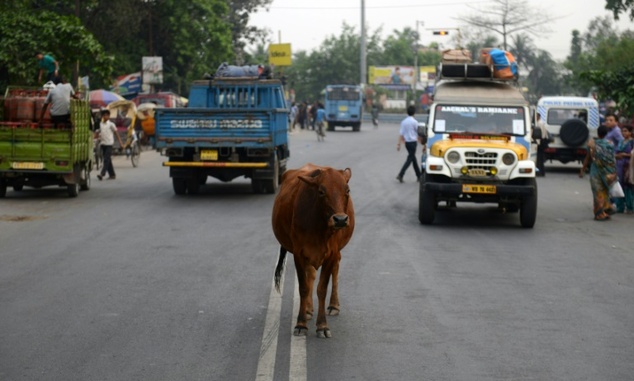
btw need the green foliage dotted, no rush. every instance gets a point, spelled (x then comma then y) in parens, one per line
(24, 33)
(617, 85)
(621, 6)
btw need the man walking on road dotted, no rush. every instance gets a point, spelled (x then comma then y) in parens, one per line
(107, 132)
(408, 136)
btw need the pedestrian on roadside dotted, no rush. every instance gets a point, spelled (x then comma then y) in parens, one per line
(293, 115)
(47, 64)
(542, 144)
(602, 173)
(614, 132)
(320, 117)
(623, 155)
(313, 114)
(302, 114)
(408, 135)
(106, 134)
(59, 99)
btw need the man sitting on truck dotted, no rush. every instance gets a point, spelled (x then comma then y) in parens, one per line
(59, 99)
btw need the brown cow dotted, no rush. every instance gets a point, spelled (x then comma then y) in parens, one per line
(313, 219)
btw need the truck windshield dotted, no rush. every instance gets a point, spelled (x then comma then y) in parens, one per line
(480, 119)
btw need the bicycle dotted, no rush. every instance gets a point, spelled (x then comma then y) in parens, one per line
(133, 150)
(319, 130)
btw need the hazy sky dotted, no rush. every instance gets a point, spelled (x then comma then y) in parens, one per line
(305, 24)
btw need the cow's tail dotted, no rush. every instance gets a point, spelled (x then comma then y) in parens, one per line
(279, 269)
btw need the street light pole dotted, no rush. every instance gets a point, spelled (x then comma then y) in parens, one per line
(363, 47)
(416, 73)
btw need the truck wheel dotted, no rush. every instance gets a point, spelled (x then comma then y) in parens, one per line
(426, 203)
(85, 184)
(73, 189)
(331, 127)
(193, 185)
(180, 186)
(356, 127)
(18, 186)
(528, 208)
(274, 183)
(3, 189)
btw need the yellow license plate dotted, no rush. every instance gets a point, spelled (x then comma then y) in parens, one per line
(477, 172)
(478, 188)
(27, 165)
(209, 154)
(343, 108)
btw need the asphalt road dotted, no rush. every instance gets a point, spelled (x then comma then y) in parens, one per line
(130, 282)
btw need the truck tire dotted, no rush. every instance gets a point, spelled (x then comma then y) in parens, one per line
(426, 203)
(331, 127)
(3, 189)
(73, 189)
(179, 185)
(574, 132)
(193, 185)
(268, 185)
(528, 208)
(356, 127)
(85, 184)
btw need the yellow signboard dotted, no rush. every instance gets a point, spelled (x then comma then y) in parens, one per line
(280, 54)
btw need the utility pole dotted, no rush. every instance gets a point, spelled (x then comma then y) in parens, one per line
(362, 60)
(416, 73)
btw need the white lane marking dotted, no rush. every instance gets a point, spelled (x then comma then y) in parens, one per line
(297, 370)
(268, 349)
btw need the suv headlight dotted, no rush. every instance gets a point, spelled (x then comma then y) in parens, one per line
(508, 159)
(453, 157)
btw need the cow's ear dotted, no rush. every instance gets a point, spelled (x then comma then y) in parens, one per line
(347, 174)
(311, 179)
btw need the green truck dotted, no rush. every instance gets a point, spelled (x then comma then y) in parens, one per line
(39, 155)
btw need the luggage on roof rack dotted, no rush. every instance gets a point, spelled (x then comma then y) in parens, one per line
(474, 71)
(251, 71)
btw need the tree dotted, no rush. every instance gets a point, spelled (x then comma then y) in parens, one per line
(618, 6)
(25, 33)
(506, 17)
(242, 33)
(617, 85)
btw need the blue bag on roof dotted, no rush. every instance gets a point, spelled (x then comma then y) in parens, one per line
(504, 65)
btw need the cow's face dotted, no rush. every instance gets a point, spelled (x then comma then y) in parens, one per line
(333, 194)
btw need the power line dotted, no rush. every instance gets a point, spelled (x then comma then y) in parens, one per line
(380, 6)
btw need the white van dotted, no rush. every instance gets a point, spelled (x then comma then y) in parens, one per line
(570, 122)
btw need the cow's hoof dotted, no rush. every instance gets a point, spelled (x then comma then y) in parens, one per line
(333, 311)
(324, 333)
(300, 331)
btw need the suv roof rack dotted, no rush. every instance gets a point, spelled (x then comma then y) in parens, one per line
(469, 71)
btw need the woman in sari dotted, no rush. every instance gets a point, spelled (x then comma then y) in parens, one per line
(623, 156)
(602, 173)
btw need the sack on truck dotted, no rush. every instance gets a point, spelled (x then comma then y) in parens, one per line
(456, 56)
(503, 62)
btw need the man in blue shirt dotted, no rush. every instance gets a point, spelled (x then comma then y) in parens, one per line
(320, 116)
(614, 132)
(408, 136)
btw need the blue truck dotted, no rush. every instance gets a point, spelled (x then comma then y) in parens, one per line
(232, 127)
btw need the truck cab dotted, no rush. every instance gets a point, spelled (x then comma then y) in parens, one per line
(478, 145)
(570, 122)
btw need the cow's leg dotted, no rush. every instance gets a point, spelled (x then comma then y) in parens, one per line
(311, 274)
(322, 289)
(333, 307)
(301, 328)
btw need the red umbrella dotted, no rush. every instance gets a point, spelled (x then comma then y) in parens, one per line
(101, 98)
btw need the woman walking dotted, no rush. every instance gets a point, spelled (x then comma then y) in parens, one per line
(623, 155)
(602, 173)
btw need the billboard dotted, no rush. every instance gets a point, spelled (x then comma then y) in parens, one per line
(392, 76)
(152, 70)
(280, 54)
(127, 84)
